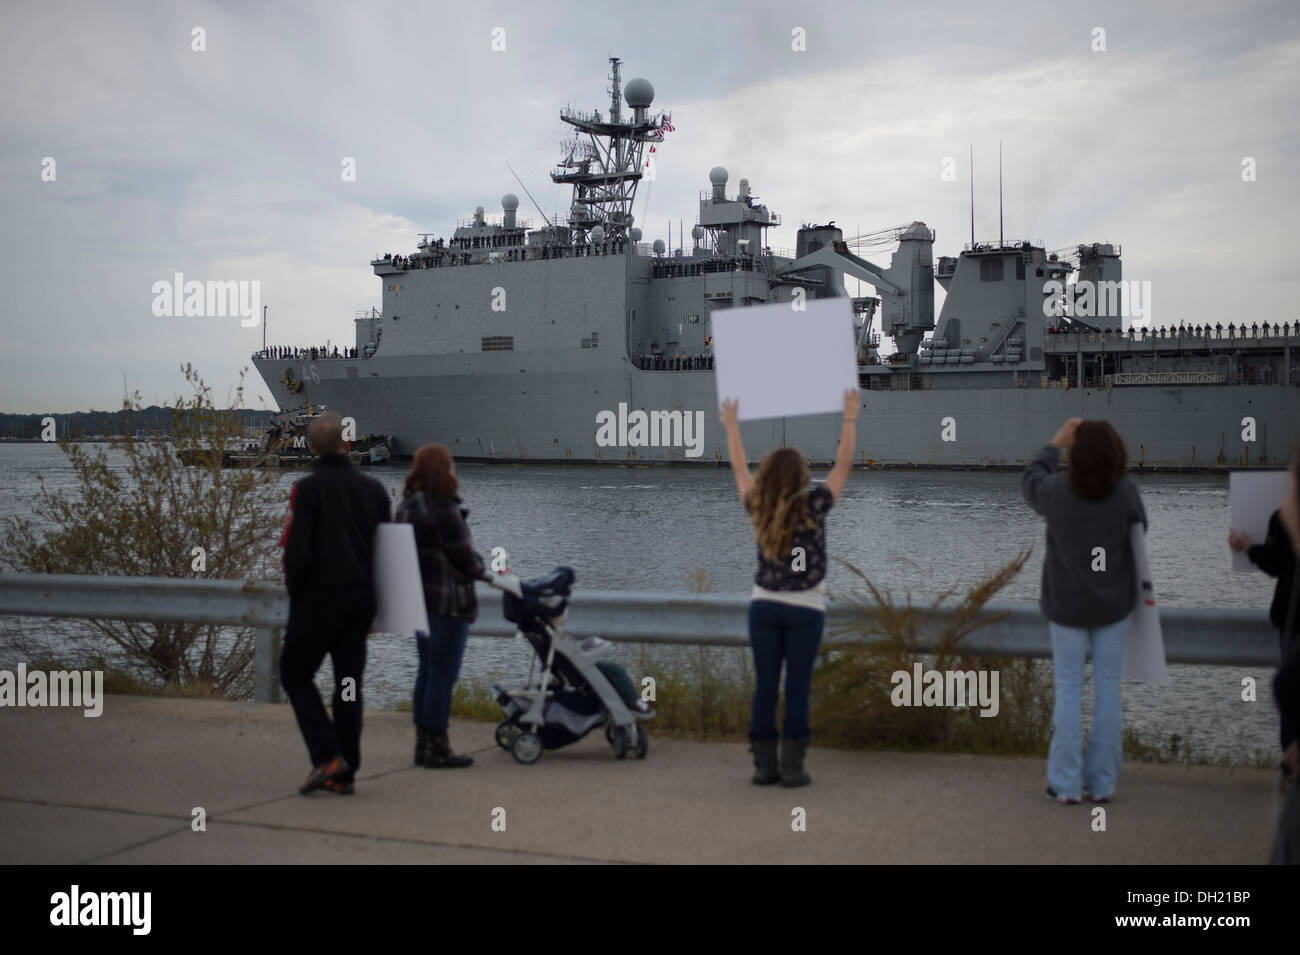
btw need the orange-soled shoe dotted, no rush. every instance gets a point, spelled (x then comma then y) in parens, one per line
(326, 775)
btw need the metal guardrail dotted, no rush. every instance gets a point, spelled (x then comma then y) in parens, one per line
(233, 603)
(1192, 635)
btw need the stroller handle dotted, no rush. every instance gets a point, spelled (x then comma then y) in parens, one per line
(507, 582)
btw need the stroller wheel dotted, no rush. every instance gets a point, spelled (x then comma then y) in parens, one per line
(527, 748)
(609, 732)
(506, 734)
(642, 742)
(620, 742)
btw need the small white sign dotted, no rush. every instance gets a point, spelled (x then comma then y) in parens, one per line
(1253, 496)
(779, 362)
(399, 589)
(1144, 648)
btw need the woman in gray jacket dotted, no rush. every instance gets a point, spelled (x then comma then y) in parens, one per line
(1089, 594)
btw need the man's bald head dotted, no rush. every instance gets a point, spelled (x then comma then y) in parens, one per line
(325, 434)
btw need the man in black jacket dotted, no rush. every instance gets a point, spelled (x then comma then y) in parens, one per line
(329, 573)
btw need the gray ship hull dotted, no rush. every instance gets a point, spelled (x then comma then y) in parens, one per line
(527, 415)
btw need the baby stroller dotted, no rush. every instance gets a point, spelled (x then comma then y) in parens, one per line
(576, 691)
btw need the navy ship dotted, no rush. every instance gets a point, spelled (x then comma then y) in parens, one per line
(571, 339)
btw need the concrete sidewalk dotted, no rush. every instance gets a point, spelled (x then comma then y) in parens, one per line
(121, 789)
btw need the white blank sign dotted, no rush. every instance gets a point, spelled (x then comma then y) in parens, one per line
(1144, 647)
(778, 362)
(1253, 496)
(399, 590)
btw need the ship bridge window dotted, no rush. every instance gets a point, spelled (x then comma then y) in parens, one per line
(498, 343)
(990, 270)
(1020, 269)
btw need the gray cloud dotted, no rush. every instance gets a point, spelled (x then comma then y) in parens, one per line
(225, 164)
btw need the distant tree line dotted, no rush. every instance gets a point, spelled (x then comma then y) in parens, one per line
(90, 424)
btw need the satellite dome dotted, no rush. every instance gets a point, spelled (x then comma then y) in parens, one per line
(509, 201)
(659, 246)
(697, 232)
(639, 92)
(718, 176)
(636, 234)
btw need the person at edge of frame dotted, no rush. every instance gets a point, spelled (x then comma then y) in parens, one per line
(1286, 685)
(1274, 557)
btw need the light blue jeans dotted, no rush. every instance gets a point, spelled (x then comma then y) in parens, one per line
(1067, 771)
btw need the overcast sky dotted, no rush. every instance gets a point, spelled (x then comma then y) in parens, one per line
(225, 164)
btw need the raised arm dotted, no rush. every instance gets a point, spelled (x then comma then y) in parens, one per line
(844, 455)
(735, 449)
(1031, 481)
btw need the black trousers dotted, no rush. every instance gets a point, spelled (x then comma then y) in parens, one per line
(333, 623)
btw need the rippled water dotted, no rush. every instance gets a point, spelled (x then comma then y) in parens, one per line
(653, 528)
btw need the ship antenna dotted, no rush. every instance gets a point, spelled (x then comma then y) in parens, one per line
(1001, 243)
(530, 195)
(972, 197)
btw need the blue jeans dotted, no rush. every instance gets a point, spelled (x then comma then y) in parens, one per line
(440, 653)
(780, 633)
(1067, 771)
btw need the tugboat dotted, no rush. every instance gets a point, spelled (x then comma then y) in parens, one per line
(284, 444)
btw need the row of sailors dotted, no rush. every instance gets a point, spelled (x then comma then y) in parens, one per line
(438, 257)
(307, 354)
(1217, 330)
(683, 362)
(429, 260)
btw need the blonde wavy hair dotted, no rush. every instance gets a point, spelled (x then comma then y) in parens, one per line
(778, 501)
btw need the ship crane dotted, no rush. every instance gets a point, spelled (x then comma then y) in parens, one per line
(906, 288)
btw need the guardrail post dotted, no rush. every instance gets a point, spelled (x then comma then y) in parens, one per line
(266, 665)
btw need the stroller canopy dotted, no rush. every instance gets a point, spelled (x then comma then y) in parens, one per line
(544, 597)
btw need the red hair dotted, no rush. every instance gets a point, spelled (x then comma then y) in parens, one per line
(431, 470)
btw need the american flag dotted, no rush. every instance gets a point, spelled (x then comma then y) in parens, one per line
(667, 124)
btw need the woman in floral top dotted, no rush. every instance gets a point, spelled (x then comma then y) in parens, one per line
(787, 610)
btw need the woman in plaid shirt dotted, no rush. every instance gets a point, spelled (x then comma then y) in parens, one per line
(449, 566)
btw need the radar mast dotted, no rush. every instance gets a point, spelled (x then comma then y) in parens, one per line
(604, 164)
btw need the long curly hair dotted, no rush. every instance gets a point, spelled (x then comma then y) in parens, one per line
(431, 470)
(778, 501)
